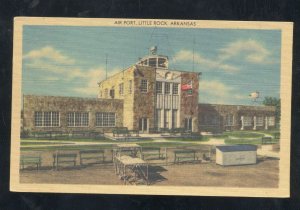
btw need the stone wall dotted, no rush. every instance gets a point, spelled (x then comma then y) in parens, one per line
(63, 105)
(144, 103)
(189, 103)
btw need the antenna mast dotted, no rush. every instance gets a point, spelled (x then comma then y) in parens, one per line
(105, 66)
(193, 53)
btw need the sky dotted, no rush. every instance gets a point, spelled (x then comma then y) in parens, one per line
(70, 60)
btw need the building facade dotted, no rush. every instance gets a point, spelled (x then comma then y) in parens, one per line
(145, 96)
(154, 96)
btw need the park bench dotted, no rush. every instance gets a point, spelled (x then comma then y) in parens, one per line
(184, 155)
(58, 135)
(120, 131)
(59, 158)
(30, 160)
(150, 152)
(266, 140)
(95, 154)
(153, 130)
(81, 134)
(277, 136)
(133, 132)
(96, 135)
(42, 135)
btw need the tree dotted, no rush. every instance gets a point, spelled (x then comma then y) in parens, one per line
(273, 101)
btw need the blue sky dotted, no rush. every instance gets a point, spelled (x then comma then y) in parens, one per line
(69, 60)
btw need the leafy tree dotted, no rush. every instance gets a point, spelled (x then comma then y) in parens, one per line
(273, 101)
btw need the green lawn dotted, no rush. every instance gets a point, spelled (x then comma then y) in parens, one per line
(187, 139)
(67, 147)
(244, 134)
(166, 144)
(67, 139)
(26, 143)
(247, 141)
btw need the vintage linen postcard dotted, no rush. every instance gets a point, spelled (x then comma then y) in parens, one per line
(167, 107)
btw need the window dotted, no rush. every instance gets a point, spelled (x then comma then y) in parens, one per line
(106, 93)
(77, 119)
(167, 88)
(112, 93)
(271, 121)
(175, 89)
(38, 119)
(229, 120)
(158, 87)
(247, 121)
(130, 86)
(121, 89)
(105, 119)
(152, 62)
(162, 62)
(158, 118)
(259, 121)
(144, 85)
(167, 118)
(46, 119)
(174, 119)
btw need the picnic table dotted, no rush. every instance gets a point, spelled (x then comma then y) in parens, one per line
(30, 160)
(131, 170)
(184, 155)
(128, 149)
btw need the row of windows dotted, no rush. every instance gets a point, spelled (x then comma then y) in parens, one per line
(46, 119)
(213, 119)
(143, 88)
(111, 93)
(167, 89)
(74, 119)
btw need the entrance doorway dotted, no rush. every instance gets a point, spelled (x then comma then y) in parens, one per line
(188, 124)
(143, 124)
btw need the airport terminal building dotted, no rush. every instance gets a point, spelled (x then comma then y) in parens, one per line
(147, 96)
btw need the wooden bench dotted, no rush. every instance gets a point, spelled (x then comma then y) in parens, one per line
(59, 158)
(58, 135)
(30, 160)
(96, 155)
(150, 151)
(81, 134)
(184, 155)
(42, 135)
(97, 135)
(120, 131)
(133, 132)
(266, 140)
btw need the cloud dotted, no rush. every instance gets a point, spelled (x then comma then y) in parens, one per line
(253, 51)
(189, 56)
(49, 53)
(215, 91)
(92, 77)
(51, 65)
